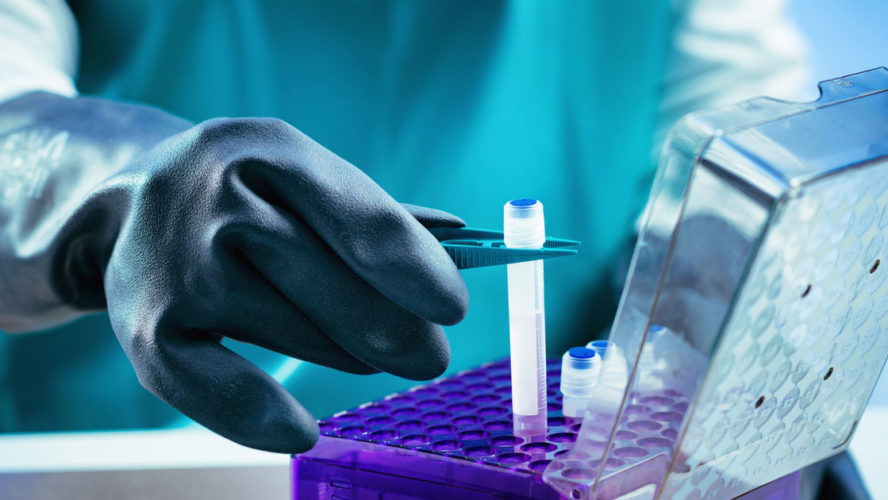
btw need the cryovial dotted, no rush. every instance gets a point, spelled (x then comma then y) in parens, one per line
(580, 368)
(524, 228)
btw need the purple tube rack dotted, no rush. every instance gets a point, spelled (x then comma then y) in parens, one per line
(454, 437)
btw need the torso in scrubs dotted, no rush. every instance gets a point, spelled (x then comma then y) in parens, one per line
(455, 105)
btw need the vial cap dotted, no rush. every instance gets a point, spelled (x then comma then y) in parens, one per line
(582, 352)
(578, 359)
(600, 346)
(523, 224)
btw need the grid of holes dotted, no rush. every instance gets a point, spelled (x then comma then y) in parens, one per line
(469, 416)
(648, 427)
(815, 308)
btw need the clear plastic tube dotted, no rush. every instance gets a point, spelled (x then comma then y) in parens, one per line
(524, 228)
(580, 369)
(612, 380)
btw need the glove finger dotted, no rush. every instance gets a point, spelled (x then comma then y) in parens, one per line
(432, 217)
(250, 309)
(355, 315)
(217, 388)
(369, 230)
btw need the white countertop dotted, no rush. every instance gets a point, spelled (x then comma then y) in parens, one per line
(188, 463)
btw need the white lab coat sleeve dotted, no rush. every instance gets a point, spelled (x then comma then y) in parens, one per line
(38, 48)
(725, 51)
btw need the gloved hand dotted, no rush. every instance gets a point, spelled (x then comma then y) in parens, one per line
(240, 228)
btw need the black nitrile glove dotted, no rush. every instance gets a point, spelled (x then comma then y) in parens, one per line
(240, 228)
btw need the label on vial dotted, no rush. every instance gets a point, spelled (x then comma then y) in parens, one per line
(527, 336)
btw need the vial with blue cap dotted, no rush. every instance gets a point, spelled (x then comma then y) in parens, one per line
(580, 369)
(614, 371)
(524, 227)
(613, 378)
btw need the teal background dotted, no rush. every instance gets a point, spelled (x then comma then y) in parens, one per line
(456, 105)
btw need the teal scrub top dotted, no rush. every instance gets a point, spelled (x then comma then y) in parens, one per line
(456, 105)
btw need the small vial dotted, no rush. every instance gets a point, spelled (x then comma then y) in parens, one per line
(580, 369)
(614, 370)
(613, 378)
(524, 228)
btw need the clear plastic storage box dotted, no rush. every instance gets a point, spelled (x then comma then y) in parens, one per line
(758, 291)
